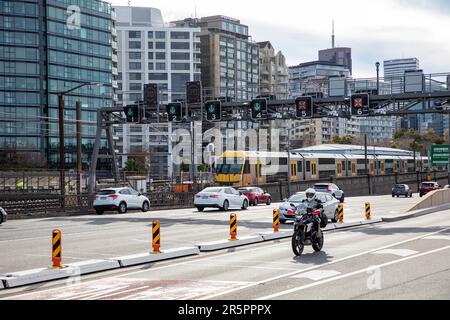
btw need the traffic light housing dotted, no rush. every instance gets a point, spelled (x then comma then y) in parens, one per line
(304, 107)
(151, 95)
(213, 110)
(132, 113)
(259, 108)
(174, 111)
(360, 104)
(193, 92)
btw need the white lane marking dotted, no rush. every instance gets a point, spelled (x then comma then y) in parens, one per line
(323, 265)
(437, 238)
(317, 275)
(397, 252)
(282, 293)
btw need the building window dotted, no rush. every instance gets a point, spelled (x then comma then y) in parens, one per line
(160, 34)
(180, 45)
(150, 55)
(160, 55)
(160, 66)
(134, 34)
(135, 86)
(157, 76)
(181, 66)
(135, 76)
(150, 66)
(180, 55)
(150, 34)
(134, 44)
(135, 65)
(134, 55)
(179, 35)
(150, 45)
(179, 81)
(160, 45)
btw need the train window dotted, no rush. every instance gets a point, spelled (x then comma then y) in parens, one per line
(260, 169)
(299, 166)
(293, 170)
(353, 168)
(326, 161)
(361, 161)
(257, 171)
(308, 166)
(339, 168)
(343, 165)
(283, 161)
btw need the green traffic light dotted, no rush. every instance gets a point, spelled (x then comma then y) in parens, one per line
(172, 110)
(257, 106)
(212, 108)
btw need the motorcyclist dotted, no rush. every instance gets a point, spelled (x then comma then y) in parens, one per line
(313, 204)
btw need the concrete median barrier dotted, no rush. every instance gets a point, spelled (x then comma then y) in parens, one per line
(137, 259)
(22, 278)
(269, 236)
(226, 244)
(2, 285)
(418, 213)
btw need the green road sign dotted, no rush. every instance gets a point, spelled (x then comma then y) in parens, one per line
(439, 156)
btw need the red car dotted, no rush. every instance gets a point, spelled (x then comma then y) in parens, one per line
(426, 187)
(256, 195)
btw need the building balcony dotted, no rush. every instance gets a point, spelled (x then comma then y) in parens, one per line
(197, 40)
(115, 84)
(114, 32)
(114, 46)
(115, 58)
(115, 71)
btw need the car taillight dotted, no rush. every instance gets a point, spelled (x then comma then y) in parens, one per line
(114, 196)
(290, 211)
(214, 196)
(316, 213)
(329, 189)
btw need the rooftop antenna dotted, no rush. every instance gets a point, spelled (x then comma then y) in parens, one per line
(129, 3)
(195, 12)
(332, 36)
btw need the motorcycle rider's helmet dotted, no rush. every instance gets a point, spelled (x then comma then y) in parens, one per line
(310, 194)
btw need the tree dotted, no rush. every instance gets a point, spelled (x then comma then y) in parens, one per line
(415, 141)
(132, 165)
(184, 167)
(348, 139)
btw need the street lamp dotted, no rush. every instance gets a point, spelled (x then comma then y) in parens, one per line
(378, 77)
(62, 162)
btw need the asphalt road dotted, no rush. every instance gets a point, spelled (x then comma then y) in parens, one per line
(409, 259)
(26, 244)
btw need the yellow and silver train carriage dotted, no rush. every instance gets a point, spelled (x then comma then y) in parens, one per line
(242, 168)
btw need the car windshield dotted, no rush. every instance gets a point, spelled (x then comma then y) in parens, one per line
(213, 190)
(297, 197)
(106, 192)
(245, 189)
(321, 186)
(400, 186)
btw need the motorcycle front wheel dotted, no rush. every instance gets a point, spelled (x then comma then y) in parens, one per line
(318, 245)
(297, 243)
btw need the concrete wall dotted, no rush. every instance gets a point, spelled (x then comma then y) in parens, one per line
(433, 199)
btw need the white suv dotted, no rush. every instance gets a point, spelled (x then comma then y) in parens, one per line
(120, 199)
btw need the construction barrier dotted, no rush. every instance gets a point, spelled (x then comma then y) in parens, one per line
(276, 220)
(156, 236)
(233, 227)
(341, 213)
(56, 249)
(368, 211)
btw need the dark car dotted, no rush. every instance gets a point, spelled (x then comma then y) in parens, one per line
(3, 215)
(426, 187)
(402, 190)
(332, 189)
(256, 195)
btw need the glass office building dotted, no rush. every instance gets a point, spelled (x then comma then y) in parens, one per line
(47, 47)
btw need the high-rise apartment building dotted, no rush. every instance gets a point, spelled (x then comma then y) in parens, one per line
(46, 48)
(394, 72)
(273, 72)
(152, 51)
(229, 58)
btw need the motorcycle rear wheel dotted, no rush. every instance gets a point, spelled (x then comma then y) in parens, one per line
(297, 243)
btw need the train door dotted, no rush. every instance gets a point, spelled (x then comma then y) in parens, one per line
(258, 172)
(339, 168)
(313, 170)
(372, 167)
(293, 170)
(353, 169)
(383, 168)
(247, 175)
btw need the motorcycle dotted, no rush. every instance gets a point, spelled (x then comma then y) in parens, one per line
(304, 233)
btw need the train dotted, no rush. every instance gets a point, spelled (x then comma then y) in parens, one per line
(245, 168)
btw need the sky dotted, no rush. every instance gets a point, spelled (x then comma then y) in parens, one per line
(376, 30)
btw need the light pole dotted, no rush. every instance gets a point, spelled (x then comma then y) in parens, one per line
(378, 77)
(62, 162)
